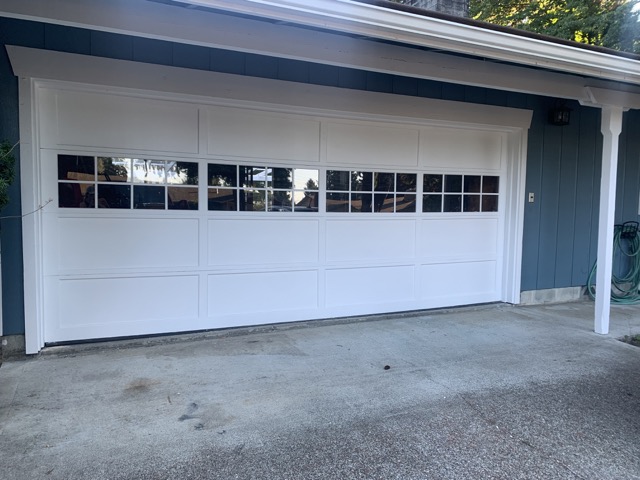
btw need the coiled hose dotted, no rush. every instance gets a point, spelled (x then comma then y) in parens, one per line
(625, 289)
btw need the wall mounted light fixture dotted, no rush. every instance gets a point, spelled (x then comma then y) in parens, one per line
(559, 116)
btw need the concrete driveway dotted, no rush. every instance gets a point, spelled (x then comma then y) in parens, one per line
(496, 392)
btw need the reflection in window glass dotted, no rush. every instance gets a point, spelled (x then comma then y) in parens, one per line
(222, 175)
(252, 200)
(148, 197)
(279, 201)
(453, 183)
(74, 167)
(432, 183)
(471, 203)
(361, 202)
(383, 182)
(383, 202)
(490, 184)
(306, 201)
(114, 196)
(114, 169)
(76, 195)
(361, 181)
(280, 177)
(406, 182)
(452, 203)
(182, 173)
(182, 198)
(337, 202)
(489, 203)
(405, 203)
(472, 183)
(432, 203)
(306, 179)
(222, 199)
(148, 171)
(337, 180)
(253, 177)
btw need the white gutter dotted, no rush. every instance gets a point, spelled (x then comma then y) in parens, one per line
(354, 17)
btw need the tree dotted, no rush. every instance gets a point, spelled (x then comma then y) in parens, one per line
(607, 23)
(7, 172)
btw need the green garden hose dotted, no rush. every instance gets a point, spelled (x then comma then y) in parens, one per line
(625, 289)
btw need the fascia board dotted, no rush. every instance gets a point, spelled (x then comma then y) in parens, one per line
(378, 22)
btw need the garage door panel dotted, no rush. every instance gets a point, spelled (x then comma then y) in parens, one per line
(252, 133)
(89, 244)
(458, 283)
(252, 293)
(459, 148)
(372, 285)
(458, 237)
(370, 240)
(262, 242)
(113, 121)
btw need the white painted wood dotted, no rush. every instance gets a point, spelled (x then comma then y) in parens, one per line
(235, 132)
(248, 294)
(369, 240)
(456, 238)
(108, 306)
(447, 284)
(153, 20)
(103, 121)
(262, 241)
(372, 145)
(368, 286)
(457, 148)
(611, 126)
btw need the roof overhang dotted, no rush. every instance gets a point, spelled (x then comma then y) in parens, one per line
(315, 31)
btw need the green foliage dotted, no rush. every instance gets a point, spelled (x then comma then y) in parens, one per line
(608, 23)
(7, 171)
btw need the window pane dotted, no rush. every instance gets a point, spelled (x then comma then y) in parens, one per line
(150, 198)
(361, 181)
(337, 180)
(182, 198)
(148, 171)
(471, 203)
(114, 169)
(222, 175)
(406, 182)
(114, 196)
(252, 200)
(182, 173)
(337, 202)
(279, 201)
(489, 203)
(74, 167)
(452, 203)
(432, 203)
(406, 203)
(472, 183)
(280, 177)
(490, 184)
(253, 176)
(383, 202)
(453, 183)
(383, 182)
(361, 202)
(222, 199)
(432, 183)
(76, 195)
(305, 201)
(306, 179)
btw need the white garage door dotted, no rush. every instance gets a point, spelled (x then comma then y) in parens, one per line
(172, 216)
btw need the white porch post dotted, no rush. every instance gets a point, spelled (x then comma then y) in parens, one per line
(611, 126)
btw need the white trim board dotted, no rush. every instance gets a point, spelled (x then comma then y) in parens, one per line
(38, 68)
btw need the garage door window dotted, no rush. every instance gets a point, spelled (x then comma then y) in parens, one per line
(125, 183)
(358, 191)
(460, 193)
(250, 188)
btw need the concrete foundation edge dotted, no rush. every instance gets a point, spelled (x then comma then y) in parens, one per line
(551, 295)
(11, 346)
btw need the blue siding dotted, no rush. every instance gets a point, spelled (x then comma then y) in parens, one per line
(563, 166)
